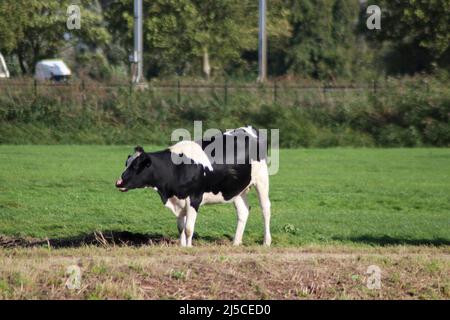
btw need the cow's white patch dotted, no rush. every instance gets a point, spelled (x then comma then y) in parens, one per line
(193, 151)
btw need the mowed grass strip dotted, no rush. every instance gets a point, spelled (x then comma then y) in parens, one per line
(222, 272)
(329, 196)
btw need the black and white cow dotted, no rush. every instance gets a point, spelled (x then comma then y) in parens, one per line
(190, 174)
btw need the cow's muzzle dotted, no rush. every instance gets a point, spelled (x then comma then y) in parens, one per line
(119, 185)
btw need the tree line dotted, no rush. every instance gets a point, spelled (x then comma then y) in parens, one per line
(318, 39)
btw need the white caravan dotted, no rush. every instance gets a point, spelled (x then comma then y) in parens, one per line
(52, 69)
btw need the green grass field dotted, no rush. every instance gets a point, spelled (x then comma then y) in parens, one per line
(348, 196)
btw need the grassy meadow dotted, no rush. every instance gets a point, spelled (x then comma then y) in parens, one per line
(319, 196)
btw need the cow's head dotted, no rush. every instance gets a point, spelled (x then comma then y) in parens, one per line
(137, 172)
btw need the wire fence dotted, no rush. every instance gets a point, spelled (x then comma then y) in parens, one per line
(274, 92)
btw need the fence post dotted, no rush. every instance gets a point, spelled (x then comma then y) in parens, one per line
(225, 92)
(275, 92)
(178, 91)
(83, 87)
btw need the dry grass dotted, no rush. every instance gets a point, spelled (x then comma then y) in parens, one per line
(223, 272)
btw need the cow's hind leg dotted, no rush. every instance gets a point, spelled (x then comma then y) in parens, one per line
(260, 177)
(242, 211)
(181, 224)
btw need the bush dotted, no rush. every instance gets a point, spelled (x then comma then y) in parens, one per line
(407, 113)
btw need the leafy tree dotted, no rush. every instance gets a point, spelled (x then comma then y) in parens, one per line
(178, 33)
(414, 35)
(312, 38)
(279, 33)
(40, 29)
(167, 32)
(224, 30)
(12, 19)
(323, 38)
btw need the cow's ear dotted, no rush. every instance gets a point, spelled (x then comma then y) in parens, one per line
(139, 149)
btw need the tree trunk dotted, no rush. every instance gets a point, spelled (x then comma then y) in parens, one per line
(36, 55)
(22, 65)
(206, 65)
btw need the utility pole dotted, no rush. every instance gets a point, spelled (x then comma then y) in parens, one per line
(262, 42)
(136, 58)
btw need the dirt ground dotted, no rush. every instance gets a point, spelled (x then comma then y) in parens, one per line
(165, 271)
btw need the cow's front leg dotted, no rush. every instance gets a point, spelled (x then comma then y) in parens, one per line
(181, 224)
(178, 208)
(191, 216)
